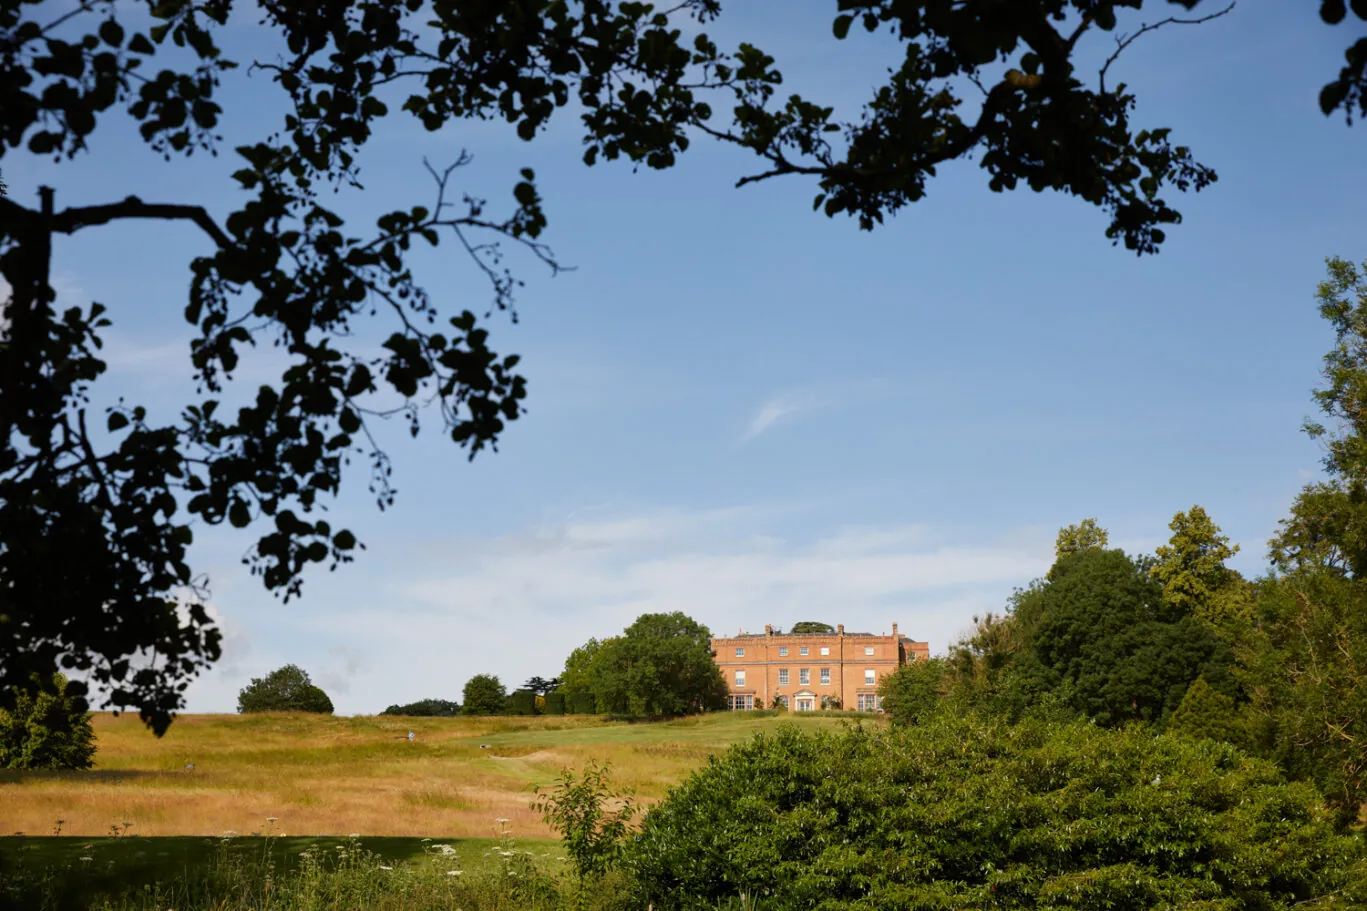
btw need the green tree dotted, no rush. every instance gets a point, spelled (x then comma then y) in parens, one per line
(541, 686)
(812, 626)
(1086, 535)
(46, 729)
(1203, 712)
(286, 689)
(1327, 528)
(661, 665)
(576, 681)
(1191, 566)
(1303, 663)
(913, 692)
(972, 812)
(425, 708)
(484, 695)
(1101, 625)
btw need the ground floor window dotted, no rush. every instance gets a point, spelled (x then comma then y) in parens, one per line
(869, 702)
(741, 703)
(783, 701)
(806, 704)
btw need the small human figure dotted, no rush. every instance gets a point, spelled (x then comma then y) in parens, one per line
(410, 736)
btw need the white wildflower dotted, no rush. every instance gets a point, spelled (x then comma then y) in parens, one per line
(455, 872)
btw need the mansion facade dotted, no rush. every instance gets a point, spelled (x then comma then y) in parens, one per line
(809, 671)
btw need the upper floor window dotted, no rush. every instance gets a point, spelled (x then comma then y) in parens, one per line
(868, 649)
(802, 650)
(825, 649)
(783, 676)
(740, 678)
(870, 676)
(783, 651)
(740, 653)
(825, 676)
(804, 677)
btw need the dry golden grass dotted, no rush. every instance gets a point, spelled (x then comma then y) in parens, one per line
(322, 775)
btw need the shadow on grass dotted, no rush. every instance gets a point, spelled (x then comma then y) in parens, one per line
(88, 869)
(106, 776)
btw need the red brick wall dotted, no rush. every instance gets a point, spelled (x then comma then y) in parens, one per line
(848, 657)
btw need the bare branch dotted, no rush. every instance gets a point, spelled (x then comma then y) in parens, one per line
(1124, 41)
(69, 221)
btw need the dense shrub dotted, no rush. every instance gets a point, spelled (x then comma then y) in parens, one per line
(913, 691)
(46, 730)
(555, 704)
(977, 813)
(583, 703)
(425, 708)
(521, 702)
(287, 689)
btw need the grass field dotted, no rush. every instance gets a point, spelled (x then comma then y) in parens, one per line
(323, 775)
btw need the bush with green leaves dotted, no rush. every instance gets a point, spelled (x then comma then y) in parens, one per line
(583, 704)
(975, 812)
(913, 691)
(286, 689)
(46, 729)
(555, 704)
(425, 708)
(593, 820)
(484, 695)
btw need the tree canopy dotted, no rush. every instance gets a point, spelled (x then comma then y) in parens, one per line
(425, 708)
(484, 694)
(46, 729)
(812, 626)
(287, 269)
(286, 689)
(661, 665)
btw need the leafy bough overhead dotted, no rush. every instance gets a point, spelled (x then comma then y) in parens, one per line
(95, 526)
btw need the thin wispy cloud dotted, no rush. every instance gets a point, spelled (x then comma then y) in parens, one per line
(780, 409)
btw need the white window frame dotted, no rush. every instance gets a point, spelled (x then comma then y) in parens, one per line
(802, 650)
(783, 651)
(825, 676)
(870, 677)
(740, 653)
(740, 678)
(868, 649)
(825, 649)
(783, 676)
(804, 677)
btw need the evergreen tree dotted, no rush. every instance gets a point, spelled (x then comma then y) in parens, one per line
(1203, 712)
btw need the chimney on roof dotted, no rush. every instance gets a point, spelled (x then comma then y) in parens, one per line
(840, 629)
(768, 629)
(894, 631)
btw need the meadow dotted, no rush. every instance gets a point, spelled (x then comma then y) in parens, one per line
(310, 775)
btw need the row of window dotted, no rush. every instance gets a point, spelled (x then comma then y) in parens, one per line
(864, 702)
(804, 677)
(802, 650)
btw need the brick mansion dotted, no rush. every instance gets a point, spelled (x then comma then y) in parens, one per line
(810, 671)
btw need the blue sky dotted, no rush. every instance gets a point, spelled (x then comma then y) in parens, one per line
(754, 414)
